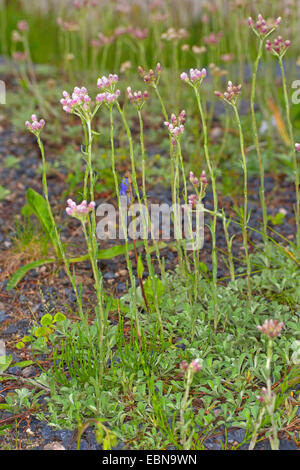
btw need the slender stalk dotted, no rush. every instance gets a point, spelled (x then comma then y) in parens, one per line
(245, 209)
(257, 146)
(215, 204)
(129, 265)
(60, 252)
(294, 155)
(135, 185)
(229, 247)
(98, 288)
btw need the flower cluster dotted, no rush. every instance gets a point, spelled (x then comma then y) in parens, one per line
(195, 181)
(193, 199)
(101, 40)
(35, 126)
(266, 397)
(151, 77)
(196, 49)
(217, 71)
(231, 94)
(271, 328)
(139, 33)
(107, 97)
(261, 27)
(20, 56)
(213, 38)
(23, 26)
(297, 146)
(278, 47)
(69, 26)
(194, 366)
(176, 126)
(79, 100)
(175, 35)
(137, 97)
(108, 83)
(79, 211)
(195, 76)
(17, 35)
(79, 4)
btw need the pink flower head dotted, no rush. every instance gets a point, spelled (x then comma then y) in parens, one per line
(79, 4)
(262, 397)
(78, 101)
(140, 33)
(184, 366)
(231, 94)
(297, 146)
(108, 98)
(193, 200)
(35, 126)
(151, 77)
(271, 328)
(176, 126)
(193, 179)
(213, 38)
(262, 27)
(278, 47)
(23, 26)
(79, 211)
(195, 76)
(108, 83)
(195, 366)
(203, 178)
(137, 97)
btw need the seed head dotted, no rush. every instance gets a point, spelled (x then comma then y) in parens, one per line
(271, 328)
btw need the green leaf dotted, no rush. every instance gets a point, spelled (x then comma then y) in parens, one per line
(42, 331)
(21, 272)
(107, 253)
(20, 345)
(39, 207)
(59, 317)
(4, 406)
(23, 364)
(46, 320)
(5, 362)
(26, 339)
(140, 267)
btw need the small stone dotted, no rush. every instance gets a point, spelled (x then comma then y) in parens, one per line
(11, 330)
(84, 445)
(47, 432)
(123, 272)
(14, 370)
(54, 446)
(108, 275)
(2, 316)
(65, 436)
(28, 371)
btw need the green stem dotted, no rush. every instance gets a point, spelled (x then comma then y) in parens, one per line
(215, 203)
(60, 252)
(294, 155)
(257, 146)
(245, 209)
